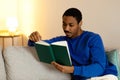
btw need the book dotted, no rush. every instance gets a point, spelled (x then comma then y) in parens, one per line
(56, 51)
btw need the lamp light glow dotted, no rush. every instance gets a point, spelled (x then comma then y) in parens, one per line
(12, 23)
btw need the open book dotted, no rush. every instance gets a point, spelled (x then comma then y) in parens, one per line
(57, 51)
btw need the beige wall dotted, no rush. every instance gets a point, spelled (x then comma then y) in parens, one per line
(7, 8)
(101, 16)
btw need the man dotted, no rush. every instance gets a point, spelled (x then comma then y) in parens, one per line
(87, 52)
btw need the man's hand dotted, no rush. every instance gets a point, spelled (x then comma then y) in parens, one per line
(35, 36)
(64, 69)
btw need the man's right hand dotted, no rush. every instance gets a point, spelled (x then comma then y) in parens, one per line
(35, 36)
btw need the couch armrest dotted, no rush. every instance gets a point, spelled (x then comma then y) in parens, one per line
(2, 67)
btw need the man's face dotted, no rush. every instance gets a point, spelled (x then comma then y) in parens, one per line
(70, 26)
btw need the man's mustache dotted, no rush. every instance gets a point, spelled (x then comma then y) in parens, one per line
(66, 31)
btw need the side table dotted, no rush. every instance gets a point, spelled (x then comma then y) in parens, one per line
(10, 36)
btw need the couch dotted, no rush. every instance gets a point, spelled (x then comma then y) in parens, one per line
(22, 63)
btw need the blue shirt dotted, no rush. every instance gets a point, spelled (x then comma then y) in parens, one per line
(87, 54)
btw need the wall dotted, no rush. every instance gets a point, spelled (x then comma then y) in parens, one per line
(100, 16)
(8, 8)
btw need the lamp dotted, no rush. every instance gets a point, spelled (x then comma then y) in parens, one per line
(12, 24)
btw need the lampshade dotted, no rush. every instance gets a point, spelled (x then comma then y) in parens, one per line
(12, 24)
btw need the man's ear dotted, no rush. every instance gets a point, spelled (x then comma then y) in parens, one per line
(80, 23)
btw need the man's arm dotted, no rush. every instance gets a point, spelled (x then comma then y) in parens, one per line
(98, 60)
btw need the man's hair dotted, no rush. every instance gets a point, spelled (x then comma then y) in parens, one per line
(73, 12)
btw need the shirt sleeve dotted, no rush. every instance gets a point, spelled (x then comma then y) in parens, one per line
(97, 59)
(31, 43)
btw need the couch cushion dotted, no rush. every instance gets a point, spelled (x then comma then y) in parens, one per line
(22, 63)
(2, 67)
(113, 57)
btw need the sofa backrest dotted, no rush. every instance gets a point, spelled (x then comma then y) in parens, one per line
(22, 63)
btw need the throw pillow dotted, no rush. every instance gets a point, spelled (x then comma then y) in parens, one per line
(113, 57)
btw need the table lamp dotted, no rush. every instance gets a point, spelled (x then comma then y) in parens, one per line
(12, 24)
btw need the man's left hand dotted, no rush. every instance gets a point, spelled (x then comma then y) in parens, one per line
(62, 68)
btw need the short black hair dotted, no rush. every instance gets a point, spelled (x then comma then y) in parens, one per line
(73, 12)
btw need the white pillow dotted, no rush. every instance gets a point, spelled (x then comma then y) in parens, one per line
(22, 63)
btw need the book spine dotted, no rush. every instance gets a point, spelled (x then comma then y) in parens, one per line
(51, 51)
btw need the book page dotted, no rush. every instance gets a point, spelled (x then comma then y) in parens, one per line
(61, 43)
(43, 43)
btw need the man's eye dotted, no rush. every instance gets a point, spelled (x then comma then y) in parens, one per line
(64, 24)
(71, 25)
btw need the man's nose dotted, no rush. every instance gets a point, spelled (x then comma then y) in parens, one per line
(67, 28)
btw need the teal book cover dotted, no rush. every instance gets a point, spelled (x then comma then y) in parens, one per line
(57, 51)
(45, 53)
(61, 55)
